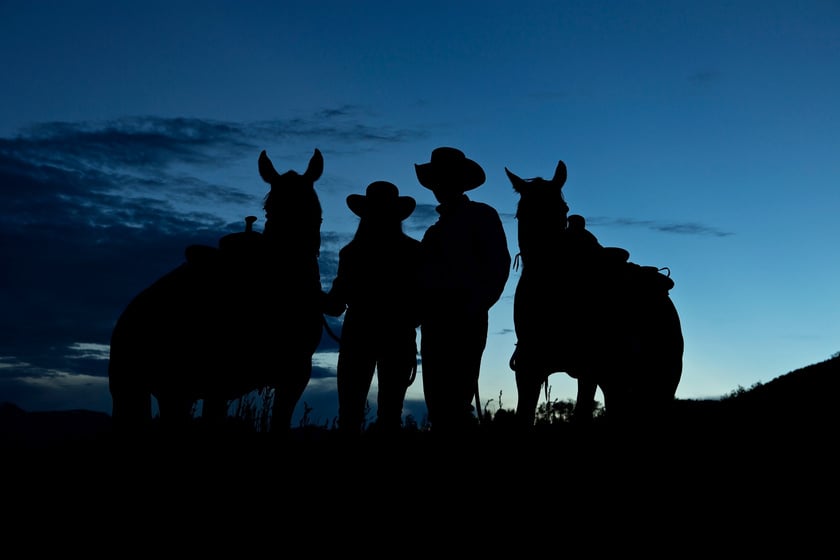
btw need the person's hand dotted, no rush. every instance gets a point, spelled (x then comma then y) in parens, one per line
(331, 306)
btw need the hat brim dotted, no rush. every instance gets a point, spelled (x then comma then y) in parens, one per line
(469, 176)
(400, 208)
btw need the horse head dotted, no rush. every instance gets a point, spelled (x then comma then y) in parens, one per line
(295, 192)
(543, 207)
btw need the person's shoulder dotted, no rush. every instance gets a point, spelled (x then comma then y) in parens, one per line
(408, 240)
(408, 243)
(348, 249)
(482, 210)
(478, 206)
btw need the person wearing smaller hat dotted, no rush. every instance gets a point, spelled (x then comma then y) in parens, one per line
(376, 288)
(466, 263)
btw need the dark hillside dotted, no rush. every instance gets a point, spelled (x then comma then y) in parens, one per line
(805, 395)
(803, 400)
(21, 428)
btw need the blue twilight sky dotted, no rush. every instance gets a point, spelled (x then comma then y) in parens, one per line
(699, 135)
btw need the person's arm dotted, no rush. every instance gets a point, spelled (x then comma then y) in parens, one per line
(496, 256)
(334, 302)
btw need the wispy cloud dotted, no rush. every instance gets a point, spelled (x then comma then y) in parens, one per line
(93, 212)
(704, 77)
(684, 228)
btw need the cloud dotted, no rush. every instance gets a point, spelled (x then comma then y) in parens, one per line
(423, 216)
(685, 228)
(34, 388)
(93, 212)
(704, 77)
(547, 95)
(138, 143)
(348, 125)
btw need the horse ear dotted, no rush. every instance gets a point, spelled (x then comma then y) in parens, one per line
(267, 171)
(517, 182)
(316, 166)
(560, 174)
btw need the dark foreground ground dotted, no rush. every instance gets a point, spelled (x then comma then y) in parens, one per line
(708, 480)
(703, 439)
(753, 474)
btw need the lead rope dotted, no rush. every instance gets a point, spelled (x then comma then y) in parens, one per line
(478, 411)
(413, 374)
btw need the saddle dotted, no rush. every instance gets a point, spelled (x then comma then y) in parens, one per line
(237, 246)
(633, 277)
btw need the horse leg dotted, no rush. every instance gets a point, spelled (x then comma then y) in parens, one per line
(131, 399)
(287, 393)
(585, 401)
(214, 411)
(176, 411)
(131, 410)
(528, 393)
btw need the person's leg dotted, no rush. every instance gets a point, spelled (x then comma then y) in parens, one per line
(433, 350)
(354, 373)
(397, 362)
(451, 358)
(474, 339)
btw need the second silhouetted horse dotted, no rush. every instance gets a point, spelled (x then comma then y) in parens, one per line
(231, 319)
(586, 310)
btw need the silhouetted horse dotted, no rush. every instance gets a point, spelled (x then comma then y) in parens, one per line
(584, 309)
(231, 319)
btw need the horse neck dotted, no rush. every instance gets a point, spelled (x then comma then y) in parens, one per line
(540, 261)
(542, 239)
(293, 243)
(545, 252)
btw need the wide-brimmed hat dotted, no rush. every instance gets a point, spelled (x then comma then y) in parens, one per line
(450, 169)
(381, 198)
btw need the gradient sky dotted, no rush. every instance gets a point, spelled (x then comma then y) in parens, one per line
(699, 135)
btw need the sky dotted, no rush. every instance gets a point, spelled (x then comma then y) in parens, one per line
(702, 136)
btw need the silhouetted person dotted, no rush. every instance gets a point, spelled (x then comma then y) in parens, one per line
(376, 283)
(466, 263)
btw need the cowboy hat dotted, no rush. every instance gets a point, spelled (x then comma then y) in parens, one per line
(450, 169)
(381, 198)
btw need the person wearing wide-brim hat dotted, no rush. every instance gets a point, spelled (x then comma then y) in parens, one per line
(466, 263)
(449, 170)
(376, 288)
(382, 200)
